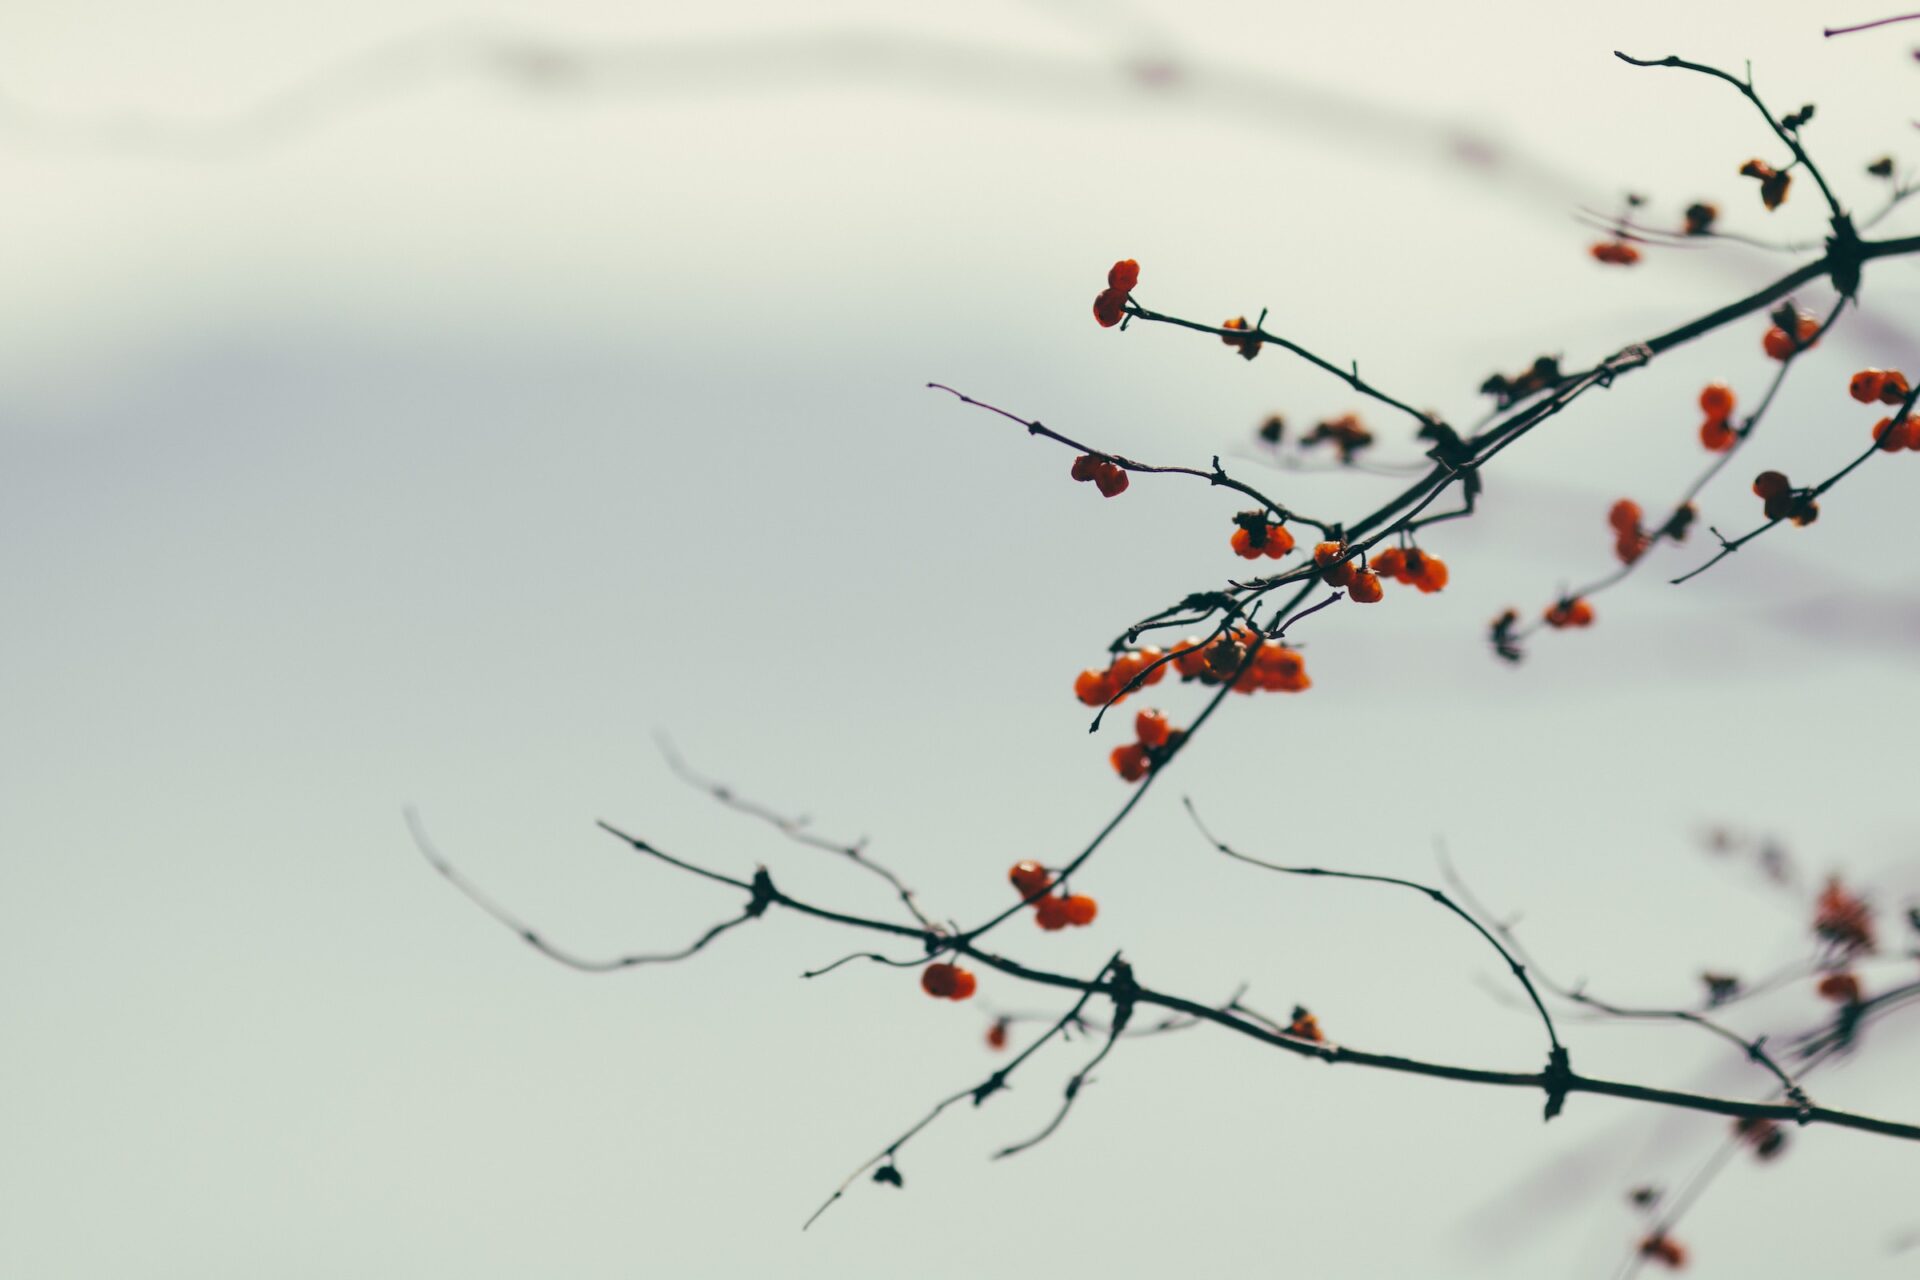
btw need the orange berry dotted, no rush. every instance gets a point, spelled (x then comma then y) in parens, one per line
(963, 984)
(1770, 484)
(1391, 563)
(1625, 516)
(1151, 728)
(1149, 672)
(1716, 400)
(1110, 307)
(1364, 588)
(1080, 909)
(1865, 385)
(1130, 761)
(1050, 913)
(1030, 878)
(1570, 613)
(1891, 439)
(1893, 388)
(1716, 435)
(1777, 344)
(1123, 275)
(1244, 546)
(1616, 253)
(997, 1035)
(1432, 576)
(941, 980)
(1093, 687)
(1305, 1026)
(1190, 658)
(1333, 569)
(1279, 541)
(1631, 545)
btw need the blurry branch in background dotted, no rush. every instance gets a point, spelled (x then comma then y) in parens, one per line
(1145, 71)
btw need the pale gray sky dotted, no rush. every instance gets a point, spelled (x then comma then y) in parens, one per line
(441, 446)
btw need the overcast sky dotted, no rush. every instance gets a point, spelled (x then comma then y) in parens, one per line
(427, 403)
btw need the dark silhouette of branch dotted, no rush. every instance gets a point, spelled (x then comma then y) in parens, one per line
(794, 828)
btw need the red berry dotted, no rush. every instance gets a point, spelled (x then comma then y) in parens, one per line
(1893, 389)
(1123, 275)
(1841, 988)
(1151, 728)
(1716, 435)
(1892, 439)
(1030, 878)
(1716, 400)
(1110, 479)
(1050, 913)
(1080, 909)
(1770, 484)
(1244, 546)
(1110, 307)
(1093, 687)
(997, 1035)
(1391, 563)
(1364, 587)
(1086, 467)
(941, 980)
(1624, 516)
(1130, 761)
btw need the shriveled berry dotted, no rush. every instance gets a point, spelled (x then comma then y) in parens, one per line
(1110, 479)
(1085, 467)
(1770, 484)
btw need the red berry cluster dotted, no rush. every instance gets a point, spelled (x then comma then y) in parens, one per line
(1843, 919)
(1107, 475)
(1051, 911)
(1098, 688)
(1408, 565)
(1616, 253)
(1888, 386)
(1630, 541)
(1154, 739)
(1792, 331)
(1716, 432)
(1110, 306)
(1781, 501)
(1569, 613)
(1274, 668)
(1254, 536)
(947, 981)
(1346, 433)
(1248, 347)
